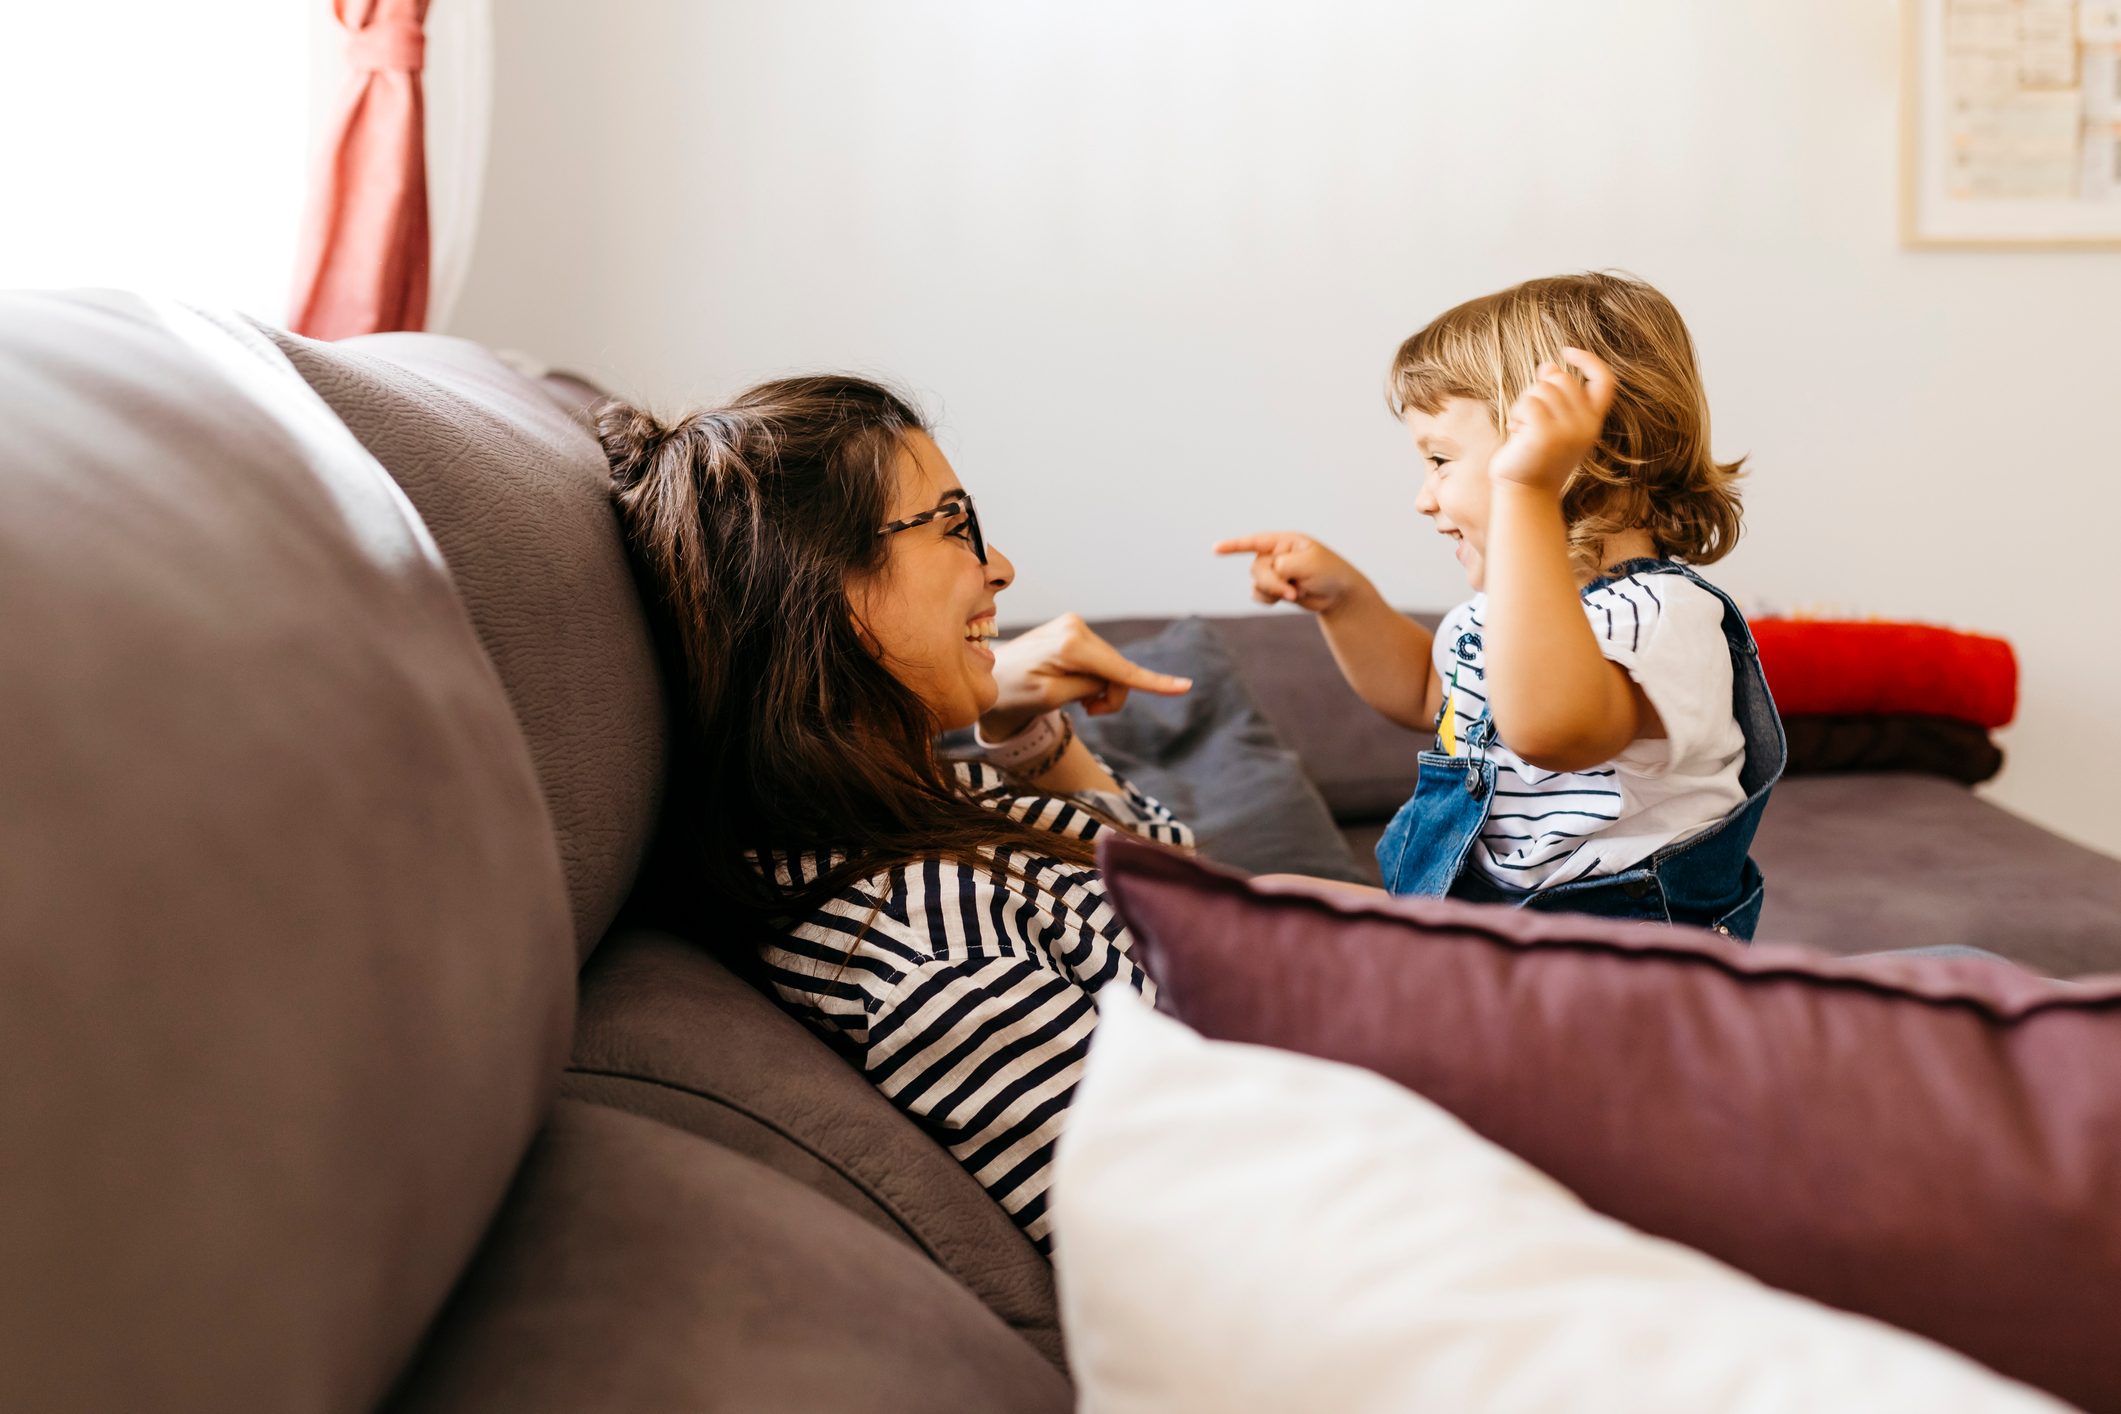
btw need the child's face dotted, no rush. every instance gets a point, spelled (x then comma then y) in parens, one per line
(1454, 446)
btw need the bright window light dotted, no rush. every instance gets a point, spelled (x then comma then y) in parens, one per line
(157, 147)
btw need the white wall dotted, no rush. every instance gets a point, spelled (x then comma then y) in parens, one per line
(1148, 261)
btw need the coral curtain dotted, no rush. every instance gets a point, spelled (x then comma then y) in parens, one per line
(365, 252)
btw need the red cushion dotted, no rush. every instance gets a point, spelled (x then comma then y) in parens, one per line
(1932, 1142)
(1820, 667)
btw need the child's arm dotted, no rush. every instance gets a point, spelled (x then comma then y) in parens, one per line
(1384, 655)
(1559, 702)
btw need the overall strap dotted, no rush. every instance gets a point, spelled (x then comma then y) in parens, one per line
(1735, 631)
(1767, 747)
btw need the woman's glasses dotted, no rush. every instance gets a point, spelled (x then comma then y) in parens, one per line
(958, 505)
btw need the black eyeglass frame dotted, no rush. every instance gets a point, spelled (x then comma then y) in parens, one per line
(950, 507)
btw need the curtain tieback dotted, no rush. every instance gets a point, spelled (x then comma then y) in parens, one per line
(387, 46)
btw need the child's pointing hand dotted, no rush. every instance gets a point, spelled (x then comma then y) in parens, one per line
(1555, 422)
(1288, 568)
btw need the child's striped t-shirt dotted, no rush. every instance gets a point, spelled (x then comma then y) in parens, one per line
(1547, 828)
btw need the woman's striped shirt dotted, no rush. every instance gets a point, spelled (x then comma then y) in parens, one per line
(967, 996)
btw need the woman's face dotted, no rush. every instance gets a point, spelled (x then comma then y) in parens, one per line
(928, 612)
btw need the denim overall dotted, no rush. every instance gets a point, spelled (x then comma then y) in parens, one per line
(1707, 880)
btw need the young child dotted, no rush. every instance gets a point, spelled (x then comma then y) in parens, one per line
(1605, 741)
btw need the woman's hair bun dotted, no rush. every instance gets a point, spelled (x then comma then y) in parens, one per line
(631, 436)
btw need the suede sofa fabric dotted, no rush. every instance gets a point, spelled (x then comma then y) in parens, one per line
(1934, 1143)
(668, 1032)
(1862, 863)
(286, 967)
(639, 1270)
(516, 492)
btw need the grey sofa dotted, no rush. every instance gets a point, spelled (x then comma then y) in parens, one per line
(330, 1077)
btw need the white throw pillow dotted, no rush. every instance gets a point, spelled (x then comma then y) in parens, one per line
(1241, 1228)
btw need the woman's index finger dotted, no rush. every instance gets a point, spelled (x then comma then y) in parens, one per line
(1114, 666)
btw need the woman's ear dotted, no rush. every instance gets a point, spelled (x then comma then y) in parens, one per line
(869, 640)
(860, 590)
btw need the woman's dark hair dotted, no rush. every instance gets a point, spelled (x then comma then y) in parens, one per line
(747, 523)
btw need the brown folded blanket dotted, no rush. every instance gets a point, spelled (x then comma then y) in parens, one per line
(1937, 746)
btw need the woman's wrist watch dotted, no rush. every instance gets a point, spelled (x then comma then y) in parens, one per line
(1033, 749)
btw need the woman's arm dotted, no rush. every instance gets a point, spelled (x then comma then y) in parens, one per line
(1077, 770)
(1078, 773)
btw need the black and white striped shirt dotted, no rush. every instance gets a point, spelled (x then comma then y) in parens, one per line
(968, 997)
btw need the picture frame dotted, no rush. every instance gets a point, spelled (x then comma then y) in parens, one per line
(2010, 124)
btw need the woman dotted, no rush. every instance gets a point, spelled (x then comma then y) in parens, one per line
(825, 595)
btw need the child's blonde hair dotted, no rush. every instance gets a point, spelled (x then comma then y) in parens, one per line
(1651, 468)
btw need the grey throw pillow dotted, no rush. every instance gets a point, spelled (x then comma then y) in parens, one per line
(1215, 759)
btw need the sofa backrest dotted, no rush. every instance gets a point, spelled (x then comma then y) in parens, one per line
(516, 492)
(287, 960)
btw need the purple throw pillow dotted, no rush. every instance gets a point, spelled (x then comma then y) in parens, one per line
(1932, 1142)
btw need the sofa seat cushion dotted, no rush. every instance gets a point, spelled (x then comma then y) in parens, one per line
(1863, 863)
(637, 1270)
(668, 1032)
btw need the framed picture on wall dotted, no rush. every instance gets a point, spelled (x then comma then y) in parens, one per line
(2010, 123)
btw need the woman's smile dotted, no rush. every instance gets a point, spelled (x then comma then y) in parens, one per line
(978, 629)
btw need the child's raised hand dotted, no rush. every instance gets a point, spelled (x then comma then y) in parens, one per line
(1554, 423)
(1288, 568)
